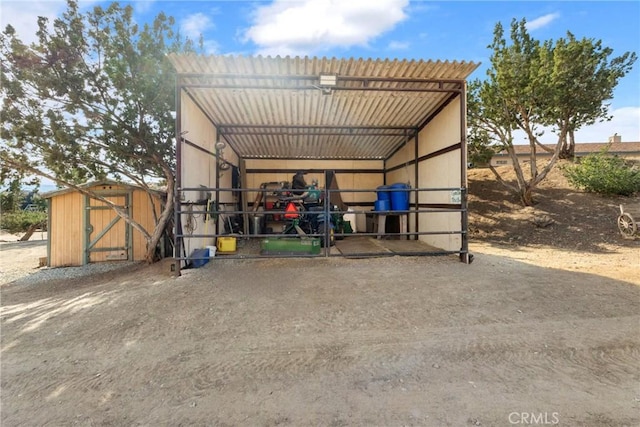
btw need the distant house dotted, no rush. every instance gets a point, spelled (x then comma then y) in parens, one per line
(627, 150)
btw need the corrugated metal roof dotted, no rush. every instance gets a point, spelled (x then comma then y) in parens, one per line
(269, 107)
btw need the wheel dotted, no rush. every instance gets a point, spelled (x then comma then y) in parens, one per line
(627, 225)
(332, 240)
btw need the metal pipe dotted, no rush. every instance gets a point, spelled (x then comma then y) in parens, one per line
(464, 217)
(310, 133)
(250, 126)
(314, 88)
(327, 217)
(177, 193)
(315, 77)
(217, 188)
(416, 175)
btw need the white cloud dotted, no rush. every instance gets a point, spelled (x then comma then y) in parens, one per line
(143, 6)
(625, 122)
(194, 25)
(23, 16)
(542, 21)
(211, 47)
(396, 45)
(309, 26)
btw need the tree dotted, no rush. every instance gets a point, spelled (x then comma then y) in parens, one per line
(11, 198)
(532, 85)
(93, 99)
(583, 79)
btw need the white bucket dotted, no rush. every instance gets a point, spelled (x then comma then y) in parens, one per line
(212, 251)
(351, 217)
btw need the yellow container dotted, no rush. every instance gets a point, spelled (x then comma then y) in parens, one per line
(226, 244)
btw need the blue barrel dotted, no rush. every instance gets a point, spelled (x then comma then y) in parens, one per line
(400, 197)
(382, 205)
(384, 193)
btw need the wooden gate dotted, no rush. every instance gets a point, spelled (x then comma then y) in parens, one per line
(107, 235)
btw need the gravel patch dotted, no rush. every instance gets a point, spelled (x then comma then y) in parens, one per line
(46, 274)
(19, 263)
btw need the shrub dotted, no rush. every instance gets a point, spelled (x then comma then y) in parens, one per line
(604, 174)
(20, 221)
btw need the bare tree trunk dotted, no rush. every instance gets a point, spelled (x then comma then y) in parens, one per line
(526, 196)
(27, 235)
(572, 145)
(163, 220)
(523, 190)
(568, 146)
(564, 149)
(514, 189)
(548, 167)
(158, 232)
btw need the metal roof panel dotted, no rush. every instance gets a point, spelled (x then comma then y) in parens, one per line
(256, 102)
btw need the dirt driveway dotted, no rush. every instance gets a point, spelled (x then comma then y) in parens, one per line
(391, 341)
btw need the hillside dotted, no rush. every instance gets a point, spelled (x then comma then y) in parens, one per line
(563, 217)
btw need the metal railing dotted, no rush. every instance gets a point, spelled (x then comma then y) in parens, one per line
(219, 214)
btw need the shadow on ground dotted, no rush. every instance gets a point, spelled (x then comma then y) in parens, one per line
(389, 341)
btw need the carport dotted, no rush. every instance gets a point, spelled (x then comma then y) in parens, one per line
(352, 124)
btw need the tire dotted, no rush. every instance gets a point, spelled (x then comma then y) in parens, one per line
(332, 240)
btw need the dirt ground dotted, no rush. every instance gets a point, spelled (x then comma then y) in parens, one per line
(542, 328)
(566, 228)
(18, 259)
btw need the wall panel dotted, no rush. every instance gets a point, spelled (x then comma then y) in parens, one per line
(441, 171)
(142, 212)
(366, 174)
(65, 232)
(199, 168)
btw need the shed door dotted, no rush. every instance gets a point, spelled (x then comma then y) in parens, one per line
(107, 235)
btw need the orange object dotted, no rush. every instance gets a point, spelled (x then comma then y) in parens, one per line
(291, 212)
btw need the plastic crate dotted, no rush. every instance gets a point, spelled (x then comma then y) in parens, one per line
(199, 257)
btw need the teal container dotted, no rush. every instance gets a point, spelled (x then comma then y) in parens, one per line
(400, 197)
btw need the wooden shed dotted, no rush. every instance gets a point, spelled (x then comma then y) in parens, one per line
(84, 230)
(354, 125)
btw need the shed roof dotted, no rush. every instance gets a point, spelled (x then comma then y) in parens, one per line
(268, 107)
(91, 184)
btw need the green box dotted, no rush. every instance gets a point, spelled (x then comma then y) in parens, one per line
(290, 246)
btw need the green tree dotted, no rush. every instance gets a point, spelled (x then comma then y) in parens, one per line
(582, 78)
(532, 85)
(93, 99)
(11, 198)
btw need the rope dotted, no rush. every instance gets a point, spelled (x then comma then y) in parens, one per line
(190, 224)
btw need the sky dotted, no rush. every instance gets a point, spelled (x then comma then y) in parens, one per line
(403, 29)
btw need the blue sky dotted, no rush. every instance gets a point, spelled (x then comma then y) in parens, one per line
(453, 30)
